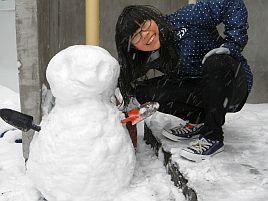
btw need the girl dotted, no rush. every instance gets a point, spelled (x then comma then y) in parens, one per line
(181, 61)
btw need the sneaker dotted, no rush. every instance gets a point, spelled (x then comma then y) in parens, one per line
(202, 149)
(183, 132)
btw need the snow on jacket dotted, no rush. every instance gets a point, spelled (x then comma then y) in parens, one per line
(196, 33)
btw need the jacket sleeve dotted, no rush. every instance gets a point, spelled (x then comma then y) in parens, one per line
(233, 14)
(207, 14)
(235, 20)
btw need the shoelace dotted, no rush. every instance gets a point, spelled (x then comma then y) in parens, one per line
(184, 129)
(200, 145)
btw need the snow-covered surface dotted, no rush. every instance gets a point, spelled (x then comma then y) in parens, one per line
(8, 99)
(240, 173)
(150, 181)
(14, 185)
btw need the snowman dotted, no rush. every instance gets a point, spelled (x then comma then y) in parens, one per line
(82, 153)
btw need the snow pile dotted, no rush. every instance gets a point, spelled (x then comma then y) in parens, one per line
(240, 173)
(9, 99)
(150, 181)
(82, 152)
(14, 185)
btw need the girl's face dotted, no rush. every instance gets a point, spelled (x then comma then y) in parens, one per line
(146, 37)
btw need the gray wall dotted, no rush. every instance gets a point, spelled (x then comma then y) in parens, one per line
(8, 54)
(257, 49)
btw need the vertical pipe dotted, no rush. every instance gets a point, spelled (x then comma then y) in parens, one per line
(191, 1)
(92, 22)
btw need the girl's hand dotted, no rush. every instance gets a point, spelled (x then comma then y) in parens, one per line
(220, 50)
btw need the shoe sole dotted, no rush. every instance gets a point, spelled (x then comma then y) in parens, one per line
(176, 138)
(197, 157)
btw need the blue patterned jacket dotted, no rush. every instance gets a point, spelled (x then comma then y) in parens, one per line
(196, 33)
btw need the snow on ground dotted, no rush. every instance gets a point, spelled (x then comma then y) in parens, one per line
(240, 173)
(150, 181)
(8, 99)
(14, 185)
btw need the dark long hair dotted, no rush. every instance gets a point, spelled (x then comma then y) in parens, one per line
(133, 62)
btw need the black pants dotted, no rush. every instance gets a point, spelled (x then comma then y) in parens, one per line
(222, 89)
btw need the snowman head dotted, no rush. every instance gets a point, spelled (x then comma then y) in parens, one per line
(82, 71)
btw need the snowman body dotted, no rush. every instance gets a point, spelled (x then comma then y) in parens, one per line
(82, 153)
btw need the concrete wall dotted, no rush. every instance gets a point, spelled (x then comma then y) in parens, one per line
(27, 49)
(257, 49)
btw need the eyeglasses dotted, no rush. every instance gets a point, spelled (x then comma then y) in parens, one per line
(143, 27)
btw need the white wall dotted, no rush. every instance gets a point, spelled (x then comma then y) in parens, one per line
(8, 52)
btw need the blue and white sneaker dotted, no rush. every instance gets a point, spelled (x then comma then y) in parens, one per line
(202, 149)
(183, 132)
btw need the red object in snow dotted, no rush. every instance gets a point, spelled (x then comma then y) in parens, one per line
(138, 114)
